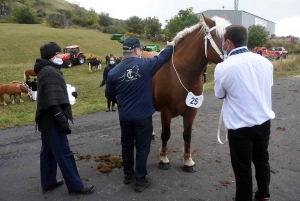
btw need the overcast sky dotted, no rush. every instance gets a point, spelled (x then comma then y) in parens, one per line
(285, 13)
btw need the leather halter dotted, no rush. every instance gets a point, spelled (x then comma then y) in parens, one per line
(208, 36)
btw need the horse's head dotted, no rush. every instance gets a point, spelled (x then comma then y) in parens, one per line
(214, 29)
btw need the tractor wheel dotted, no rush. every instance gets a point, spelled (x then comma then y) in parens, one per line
(69, 63)
(81, 59)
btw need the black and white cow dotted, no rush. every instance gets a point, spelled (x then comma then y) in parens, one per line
(95, 62)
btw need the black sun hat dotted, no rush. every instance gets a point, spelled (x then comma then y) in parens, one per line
(49, 50)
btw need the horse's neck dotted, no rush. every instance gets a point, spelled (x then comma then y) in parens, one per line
(190, 53)
(23, 88)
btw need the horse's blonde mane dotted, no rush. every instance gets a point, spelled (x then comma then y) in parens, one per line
(221, 24)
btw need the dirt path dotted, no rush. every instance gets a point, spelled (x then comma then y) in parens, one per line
(99, 133)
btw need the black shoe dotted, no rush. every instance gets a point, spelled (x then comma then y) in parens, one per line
(128, 179)
(258, 198)
(113, 109)
(107, 110)
(59, 182)
(85, 190)
(140, 187)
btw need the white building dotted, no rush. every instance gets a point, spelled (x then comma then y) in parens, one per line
(242, 18)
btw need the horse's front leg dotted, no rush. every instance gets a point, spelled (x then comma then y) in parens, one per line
(188, 119)
(164, 162)
(14, 98)
(21, 101)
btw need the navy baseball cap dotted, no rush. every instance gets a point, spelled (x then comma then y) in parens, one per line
(131, 43)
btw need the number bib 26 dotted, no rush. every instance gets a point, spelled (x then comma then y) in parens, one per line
(193, 101)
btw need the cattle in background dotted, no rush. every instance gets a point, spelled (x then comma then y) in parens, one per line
(95, 62)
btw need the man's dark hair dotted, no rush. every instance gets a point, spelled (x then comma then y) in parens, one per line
(238, 34)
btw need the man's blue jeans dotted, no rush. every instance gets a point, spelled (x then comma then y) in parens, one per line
(136, 133)
(250, 144)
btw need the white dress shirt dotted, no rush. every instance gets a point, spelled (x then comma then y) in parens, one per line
(245, 80)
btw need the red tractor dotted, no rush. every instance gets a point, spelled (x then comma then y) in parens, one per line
(72, 56)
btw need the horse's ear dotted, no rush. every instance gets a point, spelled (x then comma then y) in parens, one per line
(210, 23)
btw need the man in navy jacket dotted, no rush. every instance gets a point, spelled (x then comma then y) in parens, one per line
(131, 83)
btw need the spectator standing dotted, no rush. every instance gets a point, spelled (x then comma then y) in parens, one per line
(131, 83)
(52, 115)
(110, 101)
(106, 59)
(33, 86)
(245, 80)
(118, 60)
(28, 82)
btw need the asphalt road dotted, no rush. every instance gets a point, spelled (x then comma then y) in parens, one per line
(99, 133)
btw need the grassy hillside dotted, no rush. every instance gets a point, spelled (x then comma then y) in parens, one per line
(19, 49)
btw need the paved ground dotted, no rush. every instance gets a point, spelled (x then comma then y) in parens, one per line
(99, 133)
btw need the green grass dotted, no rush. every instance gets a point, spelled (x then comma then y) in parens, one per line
(20, 47)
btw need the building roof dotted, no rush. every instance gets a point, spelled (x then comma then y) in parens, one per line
(239, 11)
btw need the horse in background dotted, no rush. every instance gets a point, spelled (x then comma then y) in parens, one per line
(180, 94)
(14, 89)
(28, 73)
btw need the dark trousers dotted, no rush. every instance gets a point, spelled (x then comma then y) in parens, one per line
(136, 133)
(56, 150)
(246, 145)
(112, 102)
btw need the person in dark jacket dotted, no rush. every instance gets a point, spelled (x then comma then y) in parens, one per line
(33, 86)
(28, 82)
(131, 83)
(52, 115)
(112, 101)
(107, 59)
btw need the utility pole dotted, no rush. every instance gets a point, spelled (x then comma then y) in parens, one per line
(236, 4)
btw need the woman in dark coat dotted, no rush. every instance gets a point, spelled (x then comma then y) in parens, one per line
(110, 66)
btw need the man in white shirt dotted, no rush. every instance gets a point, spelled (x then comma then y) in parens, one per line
(245, 80)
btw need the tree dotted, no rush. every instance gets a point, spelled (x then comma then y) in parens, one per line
(184, 19)
(24, 15)
(152, 26)
(257, 36)
(92, 17)
(104, 19)
(134, 25)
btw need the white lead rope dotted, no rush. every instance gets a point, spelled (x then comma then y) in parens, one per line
(219, 126)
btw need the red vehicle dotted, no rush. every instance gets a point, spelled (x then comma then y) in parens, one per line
(279, 52)
(73, 56)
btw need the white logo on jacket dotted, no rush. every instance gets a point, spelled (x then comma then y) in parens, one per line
(130, 74)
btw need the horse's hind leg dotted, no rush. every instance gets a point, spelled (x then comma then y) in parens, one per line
(2, 99)
(164, 162)
(189, 164)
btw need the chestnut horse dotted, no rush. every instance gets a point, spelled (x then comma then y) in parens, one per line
(195, 47)
(27, 73)
(14, 89)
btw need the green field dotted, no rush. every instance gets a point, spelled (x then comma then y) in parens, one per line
(20, 47)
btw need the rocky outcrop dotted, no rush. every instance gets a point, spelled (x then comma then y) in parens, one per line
(58, 21)
(5, 11)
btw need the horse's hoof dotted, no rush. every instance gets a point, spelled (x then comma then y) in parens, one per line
(163, 166)
(190, 169)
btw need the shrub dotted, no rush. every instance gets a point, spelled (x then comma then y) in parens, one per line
(24, 15)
